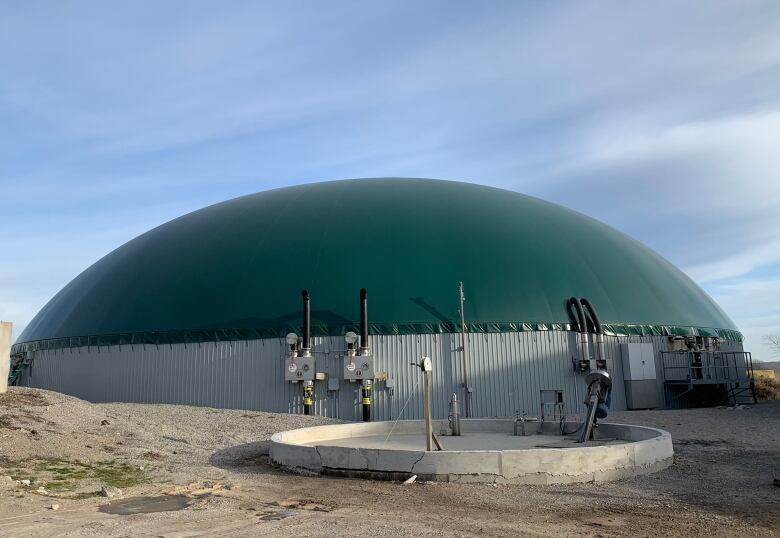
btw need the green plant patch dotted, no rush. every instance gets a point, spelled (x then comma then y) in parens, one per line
(62, 475)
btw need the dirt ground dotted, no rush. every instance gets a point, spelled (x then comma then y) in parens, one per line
(720, 485)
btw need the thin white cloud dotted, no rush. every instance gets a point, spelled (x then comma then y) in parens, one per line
(753, 304)
(662, 124)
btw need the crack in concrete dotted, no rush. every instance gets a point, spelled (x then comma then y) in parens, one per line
(416, 462)
(317, 450)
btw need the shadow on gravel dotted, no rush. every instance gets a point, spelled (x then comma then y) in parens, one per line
(146, 505)
(248, 458)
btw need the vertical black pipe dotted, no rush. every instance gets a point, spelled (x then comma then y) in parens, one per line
(306, 319)
(366, 407)
(363, 319)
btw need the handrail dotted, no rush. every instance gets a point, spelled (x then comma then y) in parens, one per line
(714, 366)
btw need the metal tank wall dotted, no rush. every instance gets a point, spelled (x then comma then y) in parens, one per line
(506, 371)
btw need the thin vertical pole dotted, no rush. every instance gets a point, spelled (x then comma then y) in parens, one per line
(467, 392)
(427, 410)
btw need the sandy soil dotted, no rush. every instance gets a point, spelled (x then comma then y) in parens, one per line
(720, 484)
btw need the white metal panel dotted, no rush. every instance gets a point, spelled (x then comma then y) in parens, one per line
(638, 361)
(648, 361)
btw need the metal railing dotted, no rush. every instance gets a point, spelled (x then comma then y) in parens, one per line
(707, 367)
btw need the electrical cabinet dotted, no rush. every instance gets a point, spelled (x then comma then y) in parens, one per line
(302, 369)
(639, 375)
(358, 368)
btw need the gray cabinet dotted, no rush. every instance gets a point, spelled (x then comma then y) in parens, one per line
(639, 375)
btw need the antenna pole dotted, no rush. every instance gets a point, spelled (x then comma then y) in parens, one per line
(466, 387)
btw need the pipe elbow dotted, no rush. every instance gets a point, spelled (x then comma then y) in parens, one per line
(592, 314)
(580, 314)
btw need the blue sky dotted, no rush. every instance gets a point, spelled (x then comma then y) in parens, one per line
(659, 118)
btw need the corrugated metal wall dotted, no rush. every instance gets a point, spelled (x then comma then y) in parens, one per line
(506, 371)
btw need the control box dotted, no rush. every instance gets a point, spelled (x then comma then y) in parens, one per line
(639, 375)
(358, 367)
(299, 369)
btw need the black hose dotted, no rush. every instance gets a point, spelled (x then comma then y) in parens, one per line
(563, 427)
(572, 315)
(592, 314)
(580, 322)
(306, 319)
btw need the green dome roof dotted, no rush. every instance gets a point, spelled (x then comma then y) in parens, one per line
(235, 270)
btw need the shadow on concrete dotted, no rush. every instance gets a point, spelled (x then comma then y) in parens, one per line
(247, 458)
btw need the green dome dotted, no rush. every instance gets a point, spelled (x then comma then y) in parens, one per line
(235, 270)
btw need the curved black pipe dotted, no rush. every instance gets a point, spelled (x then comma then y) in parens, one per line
(594, 319)
(363, 318)
(589, 322)
(580, 321)
(572, 315)
(593, 316)
(306, 319)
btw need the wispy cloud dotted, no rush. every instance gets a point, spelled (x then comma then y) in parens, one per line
(658, 119)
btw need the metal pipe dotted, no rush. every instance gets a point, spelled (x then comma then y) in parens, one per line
(582, 327)
(427, 410)
(308, 397)
(591, 312)
(519, 428)
(365, 390)
(306, 323)
(466, 388)
(454, 415)
(590, 413)
(363, 321)
(599, 385)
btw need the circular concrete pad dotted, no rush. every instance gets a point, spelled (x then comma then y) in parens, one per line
(487, 451)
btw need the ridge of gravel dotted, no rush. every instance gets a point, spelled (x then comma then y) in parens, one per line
(719, 485)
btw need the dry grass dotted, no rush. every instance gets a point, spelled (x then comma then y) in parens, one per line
(767, 389)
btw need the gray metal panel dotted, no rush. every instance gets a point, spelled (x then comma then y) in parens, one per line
(641, 394)
(638, 362)
(506, 371)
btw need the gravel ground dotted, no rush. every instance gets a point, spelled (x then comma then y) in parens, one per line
(720, 484)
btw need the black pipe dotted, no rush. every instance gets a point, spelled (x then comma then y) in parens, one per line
(572, 315)
(365, 394)
(593, 316)
(591, 326)
(363, 318)
(581, 324)
(306, 319)
(594, 319)
(582, 327)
